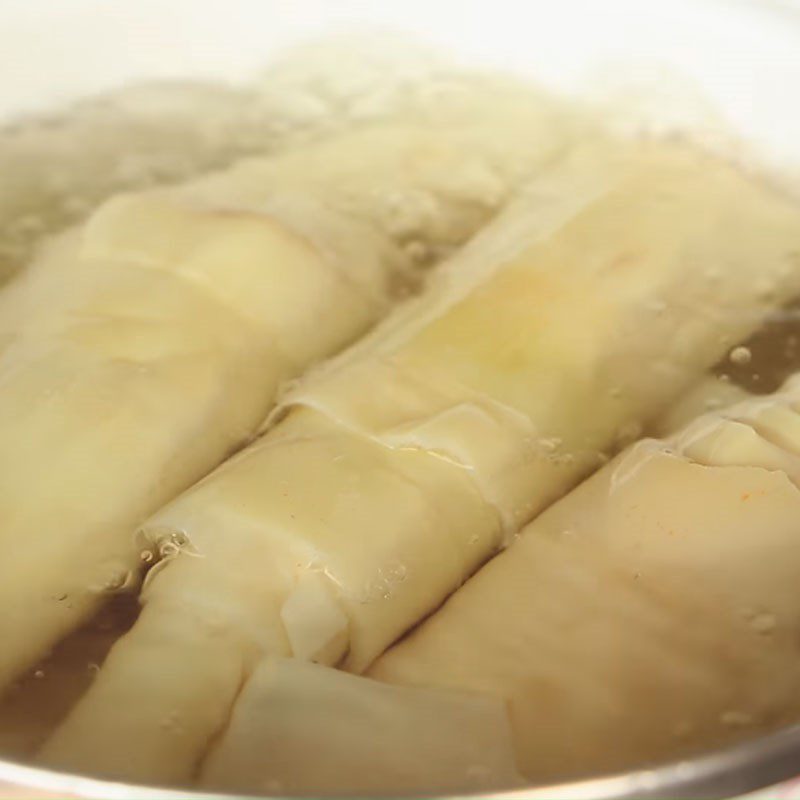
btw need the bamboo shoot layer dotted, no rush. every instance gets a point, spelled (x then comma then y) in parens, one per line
(301, 728)
(650, 614)
(395, 471)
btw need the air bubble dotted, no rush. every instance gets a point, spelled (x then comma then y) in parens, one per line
(38, 674)
(740, 355)
(171, 543)
(178, 538)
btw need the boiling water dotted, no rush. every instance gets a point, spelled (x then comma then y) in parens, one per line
(37, 702)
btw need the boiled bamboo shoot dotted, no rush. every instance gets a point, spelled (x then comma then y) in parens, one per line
(388, 477)
(651, 613)
(145, 347)
(301, 728)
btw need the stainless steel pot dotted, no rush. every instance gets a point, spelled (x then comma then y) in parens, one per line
(729, 773)
(743, 56)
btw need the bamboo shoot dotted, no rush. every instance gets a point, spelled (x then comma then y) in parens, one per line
(301, 728)
(391, 474)
(144, 348)
(649, 614)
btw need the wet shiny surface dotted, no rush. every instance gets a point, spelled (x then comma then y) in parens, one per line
(733, 772)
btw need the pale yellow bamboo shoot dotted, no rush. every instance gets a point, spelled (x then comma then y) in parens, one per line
(301, 728)
(650, 614)
(145, 347)
(395, 471)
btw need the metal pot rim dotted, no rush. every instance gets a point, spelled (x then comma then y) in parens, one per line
(730, 772)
